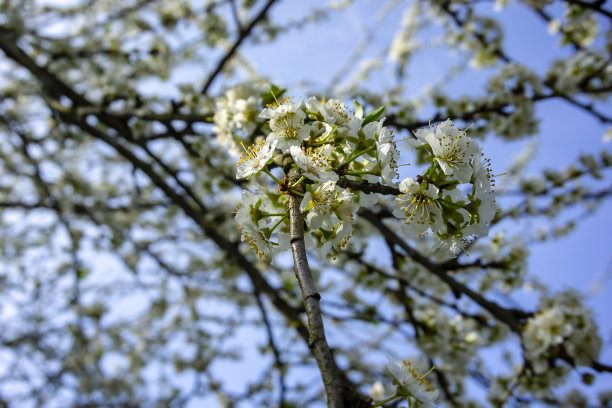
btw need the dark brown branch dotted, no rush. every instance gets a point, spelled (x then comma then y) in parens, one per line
(526, 208)
(419, 327)
(53, 87)
(49, 82)
(485, 108)
(241, 37)
(601, 367)
(406, 283)
(231, 248)
(366, 187)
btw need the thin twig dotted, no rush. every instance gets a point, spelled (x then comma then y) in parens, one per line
(241, 37)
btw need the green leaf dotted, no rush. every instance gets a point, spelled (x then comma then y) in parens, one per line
(273, 95)
(457, 217)
(374, 116)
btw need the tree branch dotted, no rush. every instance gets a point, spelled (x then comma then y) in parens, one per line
(340, 392)
(512, 318)
(53, 87)
(587, 107)
(241, 37)
(367, 187)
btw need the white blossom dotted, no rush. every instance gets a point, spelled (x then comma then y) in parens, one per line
(319, 205)
(377, 392)
(452, 149)
(236, 110)
(254, 159)
(333, 242)
(452, 245)
(345, 206)
(404, 43)
(256, 240)
(607, 137)
(315, 166)
(333, 111)
(386, 149)
(367, 200)
(483, 183)
(419, 207)
(408, 377)
(251, 203)
(286, 120)
(563, 327)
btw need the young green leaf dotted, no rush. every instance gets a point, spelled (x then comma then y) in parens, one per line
(358, 109)
(273, 95)
(374, 116)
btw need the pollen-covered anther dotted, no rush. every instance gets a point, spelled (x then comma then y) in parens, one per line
(418, 209)
(256, 242)
(287, 127)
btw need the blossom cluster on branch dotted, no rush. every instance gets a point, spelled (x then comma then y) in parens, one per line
(327, 142)
(564, 328)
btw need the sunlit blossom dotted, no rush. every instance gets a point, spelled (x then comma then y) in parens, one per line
(319, 204)
(452, 149)
(254, 159)
(286, 121)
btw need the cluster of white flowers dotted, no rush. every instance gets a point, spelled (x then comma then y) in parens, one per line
(437, 201)
(235, 113)
(327, 142)
(514, 85)
(562, 335)
(453, 341)
(510, 254)
(563, 329)
(483, 55)
(569, 75)
(580, 25)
